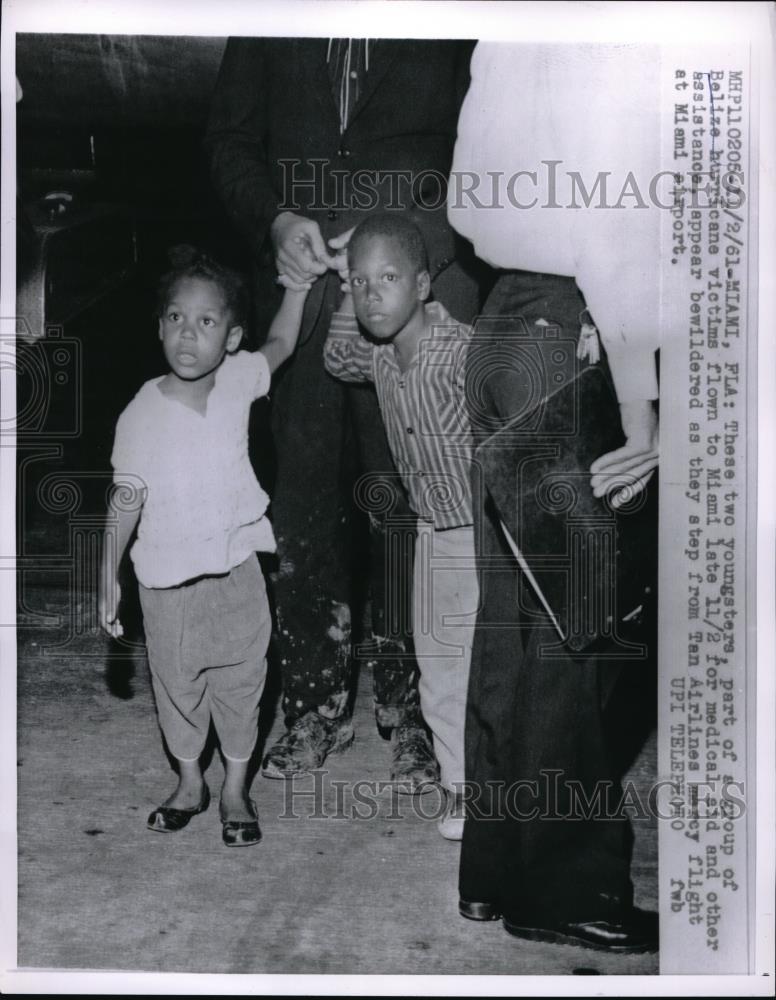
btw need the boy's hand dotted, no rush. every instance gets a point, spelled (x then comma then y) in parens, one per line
(300, 252)
(340, 259)
(108, 609)
(344, 276)
(627, 470)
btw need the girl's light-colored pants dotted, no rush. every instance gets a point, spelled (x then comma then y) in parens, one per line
(445, 599)
(207, 644)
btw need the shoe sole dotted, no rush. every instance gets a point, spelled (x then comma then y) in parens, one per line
(191, 813)
(240, 842)
(342, 744)
(558, 937)
(480, 912)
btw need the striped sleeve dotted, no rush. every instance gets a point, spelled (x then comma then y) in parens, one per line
(346, 355)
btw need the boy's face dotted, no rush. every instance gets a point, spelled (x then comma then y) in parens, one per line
(387, 288)
(197, 329)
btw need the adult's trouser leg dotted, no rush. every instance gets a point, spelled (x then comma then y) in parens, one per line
(534, 728)
(380, 496)
(311, 517)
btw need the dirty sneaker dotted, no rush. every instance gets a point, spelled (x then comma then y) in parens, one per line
(414, 767)
(306, 745)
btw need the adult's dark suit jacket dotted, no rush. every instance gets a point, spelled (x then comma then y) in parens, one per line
(274, 113)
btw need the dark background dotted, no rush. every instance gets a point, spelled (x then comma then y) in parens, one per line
(120, 119)
(117, 121)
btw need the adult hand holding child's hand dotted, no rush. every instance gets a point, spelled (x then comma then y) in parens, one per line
(300, 252)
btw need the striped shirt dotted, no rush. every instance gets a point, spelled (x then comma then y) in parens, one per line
(423, 409)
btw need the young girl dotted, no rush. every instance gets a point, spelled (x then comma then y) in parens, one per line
(181, 450)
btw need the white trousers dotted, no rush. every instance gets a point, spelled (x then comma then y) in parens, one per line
(445, 598)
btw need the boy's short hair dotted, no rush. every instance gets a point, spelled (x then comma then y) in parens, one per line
(191, 262)
(397, 227)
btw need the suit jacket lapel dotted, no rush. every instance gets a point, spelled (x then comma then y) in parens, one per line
(314, 71)
(385, 52)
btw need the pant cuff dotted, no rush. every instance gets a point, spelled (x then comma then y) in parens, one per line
(186, 760)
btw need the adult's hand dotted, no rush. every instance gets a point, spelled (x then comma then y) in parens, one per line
(625, 471)
(300, 251)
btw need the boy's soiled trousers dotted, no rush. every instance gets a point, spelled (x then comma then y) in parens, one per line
(207, 642)
(445, 599)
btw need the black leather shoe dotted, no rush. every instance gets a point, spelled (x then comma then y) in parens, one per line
(632, 933)
(165, 819)
(478, 911)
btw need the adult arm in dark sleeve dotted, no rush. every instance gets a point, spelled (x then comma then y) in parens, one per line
(236, 142)
(235, 139)
(462, 70)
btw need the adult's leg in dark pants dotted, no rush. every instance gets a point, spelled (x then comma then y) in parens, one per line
(380, 496)
(311, 588)
(310, 515)
(537, 843)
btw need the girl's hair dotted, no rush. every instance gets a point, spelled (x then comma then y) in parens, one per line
(191, 262)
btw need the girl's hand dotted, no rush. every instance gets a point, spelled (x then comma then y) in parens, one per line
(299, 248)
(108, 609)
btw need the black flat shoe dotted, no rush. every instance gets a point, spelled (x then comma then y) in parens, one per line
(241, 833)
(478, 911)
(634, 932)
(165, 819)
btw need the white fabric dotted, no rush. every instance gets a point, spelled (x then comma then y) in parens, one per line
(445, 599)
(204, 511)
(595, 109)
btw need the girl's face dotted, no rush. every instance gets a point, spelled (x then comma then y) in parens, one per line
(196, 329)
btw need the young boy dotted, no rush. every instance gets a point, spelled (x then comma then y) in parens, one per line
(184, 479)
(414, 353)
